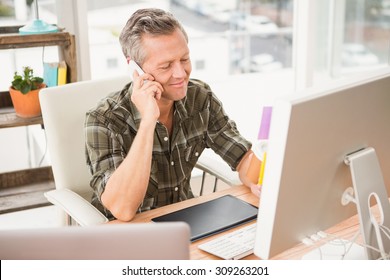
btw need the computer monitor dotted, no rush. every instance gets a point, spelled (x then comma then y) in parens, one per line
(306, 175)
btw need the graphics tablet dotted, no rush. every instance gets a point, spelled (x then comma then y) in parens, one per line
(213, 216)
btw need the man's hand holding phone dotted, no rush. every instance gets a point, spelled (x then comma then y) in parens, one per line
(146, 92)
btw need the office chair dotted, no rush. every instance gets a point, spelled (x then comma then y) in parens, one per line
(63, 112)
(211, 163)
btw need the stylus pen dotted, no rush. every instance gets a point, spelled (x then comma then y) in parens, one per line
(261, 175)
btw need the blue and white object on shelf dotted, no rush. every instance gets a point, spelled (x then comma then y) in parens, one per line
(37, 26)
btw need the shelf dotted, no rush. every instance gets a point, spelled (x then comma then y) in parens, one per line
(10, 39)
(8, 119)
(15, 40)
(24, 189)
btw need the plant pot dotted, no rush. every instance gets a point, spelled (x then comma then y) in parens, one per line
(26, 105)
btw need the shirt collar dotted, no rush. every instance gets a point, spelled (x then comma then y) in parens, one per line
(180, 109)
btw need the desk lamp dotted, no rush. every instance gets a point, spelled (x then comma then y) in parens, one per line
(37, 26)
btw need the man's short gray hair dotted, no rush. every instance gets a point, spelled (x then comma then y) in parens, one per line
(146, 21)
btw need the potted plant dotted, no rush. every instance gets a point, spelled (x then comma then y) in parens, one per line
(24, 93)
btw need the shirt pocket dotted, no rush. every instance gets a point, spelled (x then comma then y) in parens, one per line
(192, 153)
(196, 138)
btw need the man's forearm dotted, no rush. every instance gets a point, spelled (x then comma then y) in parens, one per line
(126, 188)
(243, 169)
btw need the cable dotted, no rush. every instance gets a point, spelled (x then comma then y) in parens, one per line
(43, 54)
(378, 228)
(321, 238)
(387, 256)
(44, 153)
(335, 240)
(351, 242)
(384, 229)
(309, 241)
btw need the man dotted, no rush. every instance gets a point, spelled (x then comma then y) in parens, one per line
(143, 142)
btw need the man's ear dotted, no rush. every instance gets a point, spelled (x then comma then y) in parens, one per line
(128, 59)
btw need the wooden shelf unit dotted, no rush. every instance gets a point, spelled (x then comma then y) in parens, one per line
(10, 39)
(23, 189)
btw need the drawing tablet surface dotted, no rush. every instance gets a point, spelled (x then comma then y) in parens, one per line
(213, 216)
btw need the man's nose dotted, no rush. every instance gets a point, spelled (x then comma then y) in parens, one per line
(178, 70)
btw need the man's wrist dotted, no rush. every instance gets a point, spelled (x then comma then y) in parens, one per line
(148, 124)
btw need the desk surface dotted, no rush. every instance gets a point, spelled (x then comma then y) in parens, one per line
(345, 229)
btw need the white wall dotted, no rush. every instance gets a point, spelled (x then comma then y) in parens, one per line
(244, 96)
(22, 148)
(13, 149)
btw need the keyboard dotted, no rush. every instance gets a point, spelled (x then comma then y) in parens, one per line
(234, 245)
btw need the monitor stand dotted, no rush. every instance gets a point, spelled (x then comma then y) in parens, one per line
(368, 188)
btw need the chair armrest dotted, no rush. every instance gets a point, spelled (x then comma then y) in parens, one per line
(217, 167)
(76, 207)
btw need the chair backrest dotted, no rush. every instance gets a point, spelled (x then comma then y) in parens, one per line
(63, 111)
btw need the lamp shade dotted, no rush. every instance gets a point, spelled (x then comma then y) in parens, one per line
(37, 26)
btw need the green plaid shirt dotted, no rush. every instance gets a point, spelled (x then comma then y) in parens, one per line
(199, 122)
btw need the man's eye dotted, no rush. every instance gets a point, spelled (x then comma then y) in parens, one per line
(165, 67)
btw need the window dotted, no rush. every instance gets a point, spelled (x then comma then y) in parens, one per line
(226, 37)
(242, 48)
(200, 64)
(112, 63)
(237, 36)
(105, 22)
(344, 37)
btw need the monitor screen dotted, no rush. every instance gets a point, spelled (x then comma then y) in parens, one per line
(305, 175)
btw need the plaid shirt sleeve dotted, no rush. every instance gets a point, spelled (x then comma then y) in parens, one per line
(222, 134)
(104, 150)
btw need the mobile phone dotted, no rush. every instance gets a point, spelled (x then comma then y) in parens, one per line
(134, 66)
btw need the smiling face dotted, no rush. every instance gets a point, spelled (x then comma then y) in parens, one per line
(168, 60)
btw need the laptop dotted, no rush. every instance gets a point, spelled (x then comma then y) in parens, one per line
(143, 241)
